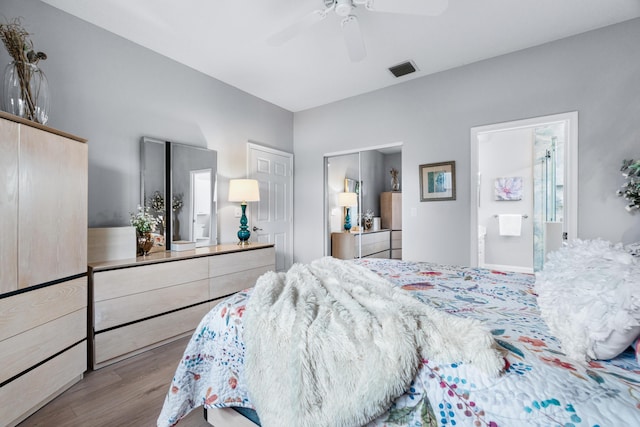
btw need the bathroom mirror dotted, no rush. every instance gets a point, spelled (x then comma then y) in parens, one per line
(178, 184)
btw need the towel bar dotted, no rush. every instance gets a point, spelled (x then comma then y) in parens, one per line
(523, 216)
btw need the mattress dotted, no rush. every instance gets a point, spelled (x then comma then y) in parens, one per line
(540, 386)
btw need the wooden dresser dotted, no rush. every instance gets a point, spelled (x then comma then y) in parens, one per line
(373, 244)
(43, 265)
(142, 303)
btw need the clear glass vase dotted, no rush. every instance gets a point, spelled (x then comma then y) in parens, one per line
(26, 92)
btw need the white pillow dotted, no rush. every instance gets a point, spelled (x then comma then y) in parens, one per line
(589, 296)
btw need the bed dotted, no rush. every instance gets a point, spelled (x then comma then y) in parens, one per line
(540, 385)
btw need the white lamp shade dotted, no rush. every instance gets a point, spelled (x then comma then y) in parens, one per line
(244, 190)
(347, 199)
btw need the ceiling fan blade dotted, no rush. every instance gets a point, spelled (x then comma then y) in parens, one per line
(409, 7)
(296, 28)
(353, 38)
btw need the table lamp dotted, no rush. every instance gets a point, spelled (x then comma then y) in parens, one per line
(244, 190)
(347, 200)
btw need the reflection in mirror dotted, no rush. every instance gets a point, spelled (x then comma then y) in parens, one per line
(354, 186)
(192, 186)
(178, 184)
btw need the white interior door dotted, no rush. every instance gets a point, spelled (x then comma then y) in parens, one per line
(272, 217)
(200, 228)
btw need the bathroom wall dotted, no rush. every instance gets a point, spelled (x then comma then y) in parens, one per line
(506, 154)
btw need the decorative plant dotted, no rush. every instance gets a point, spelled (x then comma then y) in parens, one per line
(143, 221)
(368, 219)
(631, 189)
(157, 202)
(20, 47)
(176, 204)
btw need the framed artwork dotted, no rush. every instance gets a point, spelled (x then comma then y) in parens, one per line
(509, 188)
(438, 181)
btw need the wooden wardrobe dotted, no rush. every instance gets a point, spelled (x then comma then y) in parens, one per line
(43, 265)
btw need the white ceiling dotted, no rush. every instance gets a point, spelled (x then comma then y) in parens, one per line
(226, 39)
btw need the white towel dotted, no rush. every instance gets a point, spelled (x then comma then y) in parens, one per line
(510, 225)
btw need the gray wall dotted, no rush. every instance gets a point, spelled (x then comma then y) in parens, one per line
(112, 92)
(596, 73)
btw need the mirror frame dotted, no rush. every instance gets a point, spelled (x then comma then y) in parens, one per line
(168, 195)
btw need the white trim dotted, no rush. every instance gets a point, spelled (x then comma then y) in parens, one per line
(256, 146)
(570, 170)
(512, 268)
(358, 150)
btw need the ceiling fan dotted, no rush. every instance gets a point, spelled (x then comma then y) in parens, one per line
(350, 26)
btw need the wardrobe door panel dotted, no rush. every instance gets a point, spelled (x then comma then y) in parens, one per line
(8, 206)
(52, 210)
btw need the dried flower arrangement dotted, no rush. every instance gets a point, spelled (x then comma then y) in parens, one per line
(631, 189)
(395, 183)
(20, 47)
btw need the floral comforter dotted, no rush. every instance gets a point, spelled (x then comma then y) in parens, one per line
(540, 387)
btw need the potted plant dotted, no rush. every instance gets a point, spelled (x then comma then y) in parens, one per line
(631, 188)
(144, 223)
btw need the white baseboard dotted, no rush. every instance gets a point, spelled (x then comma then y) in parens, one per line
(511, 268)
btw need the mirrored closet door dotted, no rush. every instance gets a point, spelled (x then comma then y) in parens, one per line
(354, 185)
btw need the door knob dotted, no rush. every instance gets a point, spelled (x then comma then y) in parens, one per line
(256, 228)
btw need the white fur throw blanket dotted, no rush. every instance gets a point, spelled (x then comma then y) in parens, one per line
(333, 344)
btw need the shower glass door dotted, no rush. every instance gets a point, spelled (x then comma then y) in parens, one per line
(548, 180)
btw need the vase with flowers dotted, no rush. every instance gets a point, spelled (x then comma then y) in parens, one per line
(26, 89)
(144, 223)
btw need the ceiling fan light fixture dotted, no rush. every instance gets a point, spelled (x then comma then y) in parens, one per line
(403, 69)
(343, 7)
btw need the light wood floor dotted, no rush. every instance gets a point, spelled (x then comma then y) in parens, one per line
(128, 393)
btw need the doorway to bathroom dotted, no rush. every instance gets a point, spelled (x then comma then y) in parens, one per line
(524, 203)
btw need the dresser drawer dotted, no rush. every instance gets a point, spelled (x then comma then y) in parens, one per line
(128, 281)
(31, 391)
(118, 311)
(373, 243)
(31, 309)
(235, 262)
(384, 254)
(129, 340)
(376, 237)
(34, 345)
(231, 283)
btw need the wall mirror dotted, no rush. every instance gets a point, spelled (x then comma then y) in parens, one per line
(364, 172)
(178, 184)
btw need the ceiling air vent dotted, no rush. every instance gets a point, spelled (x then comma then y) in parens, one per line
(403, 69)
